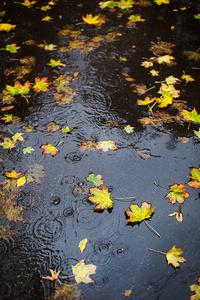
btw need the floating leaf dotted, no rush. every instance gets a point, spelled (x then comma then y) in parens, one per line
(147, 64)
(28, 3)
(28, 150)
(109, 4)
(146, 101)
(7, 27)
(67, 291)
(133, 19)
(21, 181)
(46, 19)
(82, 271)
(96, 20)
(12, 48)
(41, 84)
(195, 288)
(49, 47)
(18, 136)
(161, 47)
(191, 116)
(195, 176)
(18, 88)
(5, 232)
(49, 149)
(159, 2)
(13, 174)
(129, 129)
(101, 198)
(127, 293)
(7, 143)
(55, 63)
(164, 88)
(54, 275)
(187, 78)
(173, 256)
(179, 215)
(66, 129)
(106, 145)
(82, 244)
(96, 180)
(168, 59)
(123, 58)
(45, 7)
(7, 118)
(197, 133)
(177, 193)
(138, 214)
(125, 4)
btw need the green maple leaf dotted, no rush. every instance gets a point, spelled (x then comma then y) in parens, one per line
(46, 19)
(173, 256)
(106, 145)
(18, 136)
(96, 180)
(187, 78)
(7, 118)
(138, 214)
(28, 150)
(18, 88)
(101, 198)
(125, 4)
(177, 193)
(146, 101)
(7, 27)
(82, 271)
(12, 48)
(109, 4)
(27, 3)
(191, 116)
(129, 129)
(55, 63)
(165, 59)
(45, 7)
(195, 176)
(195, 288)
(49, 149)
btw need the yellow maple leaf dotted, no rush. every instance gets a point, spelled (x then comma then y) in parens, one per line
(82, 271)
(101, 198)
(106, 145)
(96, 20)
(13, 174)
(173, 256)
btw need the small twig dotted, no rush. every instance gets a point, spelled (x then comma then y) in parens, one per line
(158, 251)
(152, 229)
(25, 98)
(160, 186)
(153, 87)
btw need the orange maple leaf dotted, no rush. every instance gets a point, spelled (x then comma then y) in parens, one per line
(49, 149)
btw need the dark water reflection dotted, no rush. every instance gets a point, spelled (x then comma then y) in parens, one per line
(57, 215)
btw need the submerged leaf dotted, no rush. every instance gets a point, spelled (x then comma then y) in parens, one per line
(41, 84)
(12, 48)
(195, 288)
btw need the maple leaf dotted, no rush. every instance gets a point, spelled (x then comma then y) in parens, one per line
(187, 78)
(12, 48)
(147, 64)
(82, 244)
(34, 173)
(49, 149)
(159, 2)
(96, 20)
(161, 47)
(138, 214)
(28, 3)
(7, 118)
(171, 80)
(66, 129)
(28, 150)
(45, 7)
(164, 88)
(55, 63)
(54, 275)
(129, 129)
(52, 127)
(133, 19)
(41, 84)
(195, 288)
(109, 4)
(106, 145)
(125, 4)
(7, 143)
(195, 176)
(177, 193)
(49, 47)
(165, 59)
(5, 232)
(82, 271)
(154, 72)
(13, 174)
(165, 100)
(18, 88)
(18, 136)
(96, 180)
(191, 116)
(192, 55)
(7, 27)
(46, 19)
(146, 101)
(173, 256)
(101, 198)
(89, 144)
(140, 89)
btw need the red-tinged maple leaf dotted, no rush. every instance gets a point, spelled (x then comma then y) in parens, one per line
(164, 88)
(101, 198)
(140, 89)
(191, 116)
(177, 193)
(195, 176)
(41, 84)
(106, 145)
(49, 149)
(7, 27)
(7, 118)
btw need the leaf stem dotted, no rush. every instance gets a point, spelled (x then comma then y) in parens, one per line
(160, 186)
(152, 228)
(158, 251)
(124, 198)
(24, 97)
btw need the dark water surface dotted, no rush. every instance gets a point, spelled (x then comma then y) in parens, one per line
(57, 214)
